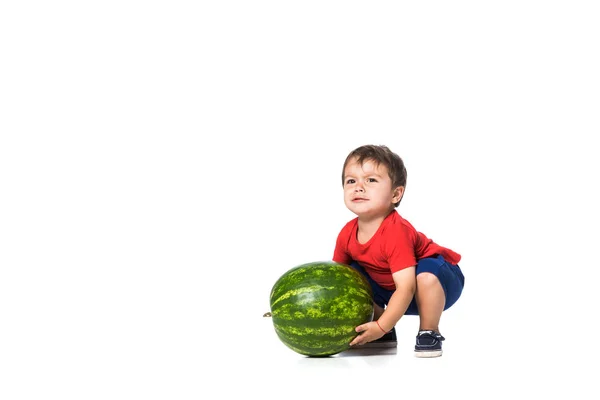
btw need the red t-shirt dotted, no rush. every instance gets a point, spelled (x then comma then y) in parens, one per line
(396, 245)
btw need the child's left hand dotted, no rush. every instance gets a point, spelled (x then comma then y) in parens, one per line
(370, 331)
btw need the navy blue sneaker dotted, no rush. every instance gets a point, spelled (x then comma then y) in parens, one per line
(429, 344)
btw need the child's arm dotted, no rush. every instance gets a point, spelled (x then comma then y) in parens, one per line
(406, 285)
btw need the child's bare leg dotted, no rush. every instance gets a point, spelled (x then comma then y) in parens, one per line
(430, 301)
(377, 311)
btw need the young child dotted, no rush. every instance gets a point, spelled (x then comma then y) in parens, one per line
(409, 273)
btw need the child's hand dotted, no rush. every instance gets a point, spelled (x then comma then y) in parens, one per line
(370, 331)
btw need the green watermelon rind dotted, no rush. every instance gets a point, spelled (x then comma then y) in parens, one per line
(316, 307)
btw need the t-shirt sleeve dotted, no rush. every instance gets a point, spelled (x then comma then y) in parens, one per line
(340, 254)
(400, 249)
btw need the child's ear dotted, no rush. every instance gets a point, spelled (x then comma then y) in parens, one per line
(398, 193)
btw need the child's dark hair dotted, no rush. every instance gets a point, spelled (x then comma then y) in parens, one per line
(380, 155)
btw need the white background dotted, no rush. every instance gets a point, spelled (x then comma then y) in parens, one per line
(163, 163)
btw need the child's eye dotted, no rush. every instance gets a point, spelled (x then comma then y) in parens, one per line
(349, 181)
(371, 180)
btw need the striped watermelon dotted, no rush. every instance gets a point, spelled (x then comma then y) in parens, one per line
(316, 306)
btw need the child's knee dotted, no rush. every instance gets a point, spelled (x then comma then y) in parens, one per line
(427, 280)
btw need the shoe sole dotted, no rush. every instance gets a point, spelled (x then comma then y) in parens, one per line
(428, 354)
(371, 345)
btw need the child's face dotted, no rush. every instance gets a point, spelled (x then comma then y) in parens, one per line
(368, 189)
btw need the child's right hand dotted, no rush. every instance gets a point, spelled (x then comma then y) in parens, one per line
(370, 331)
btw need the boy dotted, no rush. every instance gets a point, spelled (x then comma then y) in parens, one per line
(409, 273)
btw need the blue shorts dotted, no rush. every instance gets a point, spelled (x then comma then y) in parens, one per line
(449, 275)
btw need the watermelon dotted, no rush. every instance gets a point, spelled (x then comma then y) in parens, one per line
(317, 306)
